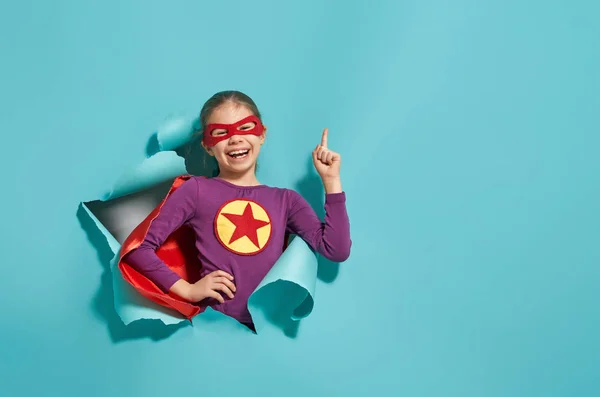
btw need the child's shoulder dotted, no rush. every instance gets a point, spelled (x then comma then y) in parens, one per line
(286, 194)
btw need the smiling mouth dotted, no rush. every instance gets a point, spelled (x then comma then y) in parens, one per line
(239, 154)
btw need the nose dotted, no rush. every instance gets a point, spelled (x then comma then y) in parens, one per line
(235, 139)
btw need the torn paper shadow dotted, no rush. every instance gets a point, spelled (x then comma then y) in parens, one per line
(286, 292)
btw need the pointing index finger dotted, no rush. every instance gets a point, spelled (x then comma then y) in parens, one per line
(324, 138)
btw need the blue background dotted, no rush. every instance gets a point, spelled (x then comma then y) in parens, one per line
(469, 133)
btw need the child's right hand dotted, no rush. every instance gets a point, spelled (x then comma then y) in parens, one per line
(210, 285)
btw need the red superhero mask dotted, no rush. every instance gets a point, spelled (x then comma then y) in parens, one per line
(212, 137)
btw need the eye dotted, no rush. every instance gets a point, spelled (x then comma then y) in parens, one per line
(218, 132)
(248, 126)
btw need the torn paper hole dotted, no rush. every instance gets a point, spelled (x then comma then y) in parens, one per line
(286, 292)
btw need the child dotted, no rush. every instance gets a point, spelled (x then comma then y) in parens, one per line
(240, 225)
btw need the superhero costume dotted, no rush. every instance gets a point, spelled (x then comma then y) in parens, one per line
(208, 224)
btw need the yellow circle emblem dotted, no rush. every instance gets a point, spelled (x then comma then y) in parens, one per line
(243, 227)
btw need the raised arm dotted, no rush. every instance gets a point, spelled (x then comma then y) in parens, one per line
(330, 238)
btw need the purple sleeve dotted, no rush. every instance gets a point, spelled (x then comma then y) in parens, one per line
(179, 207)
(330, 238)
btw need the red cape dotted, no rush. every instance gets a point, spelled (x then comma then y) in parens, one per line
(178, 252)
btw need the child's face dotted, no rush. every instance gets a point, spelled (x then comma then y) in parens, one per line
(238, 153)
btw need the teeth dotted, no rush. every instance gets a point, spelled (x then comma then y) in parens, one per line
(238, 153)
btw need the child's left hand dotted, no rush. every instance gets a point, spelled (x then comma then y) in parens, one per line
(326, 162)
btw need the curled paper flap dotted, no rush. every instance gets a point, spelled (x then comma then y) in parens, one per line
(176, 132)
(160, 167)
(113, 244)
(286, 292)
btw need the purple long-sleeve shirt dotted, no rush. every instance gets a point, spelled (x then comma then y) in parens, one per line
(241, 230)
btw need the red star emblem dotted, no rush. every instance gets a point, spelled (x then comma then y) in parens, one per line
(245, 225)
